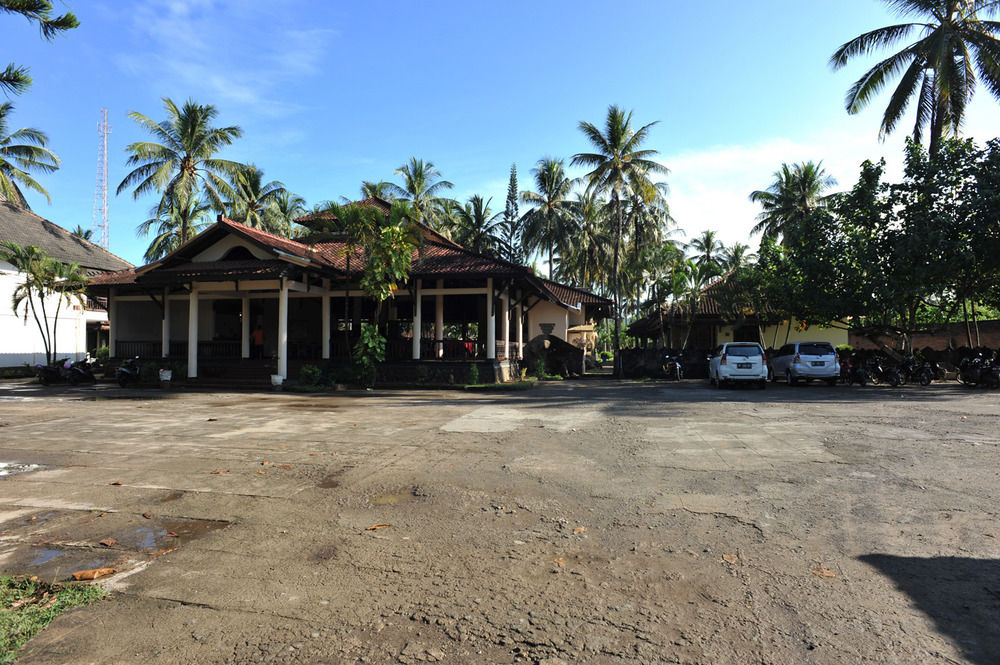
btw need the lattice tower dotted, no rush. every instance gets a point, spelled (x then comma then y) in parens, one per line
(99, 220)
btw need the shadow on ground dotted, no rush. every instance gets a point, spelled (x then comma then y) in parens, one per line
(961, 596)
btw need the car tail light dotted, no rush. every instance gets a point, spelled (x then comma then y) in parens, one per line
(723, 360)
(763, 358)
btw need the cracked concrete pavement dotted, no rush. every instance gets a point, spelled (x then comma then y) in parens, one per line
(580, 522)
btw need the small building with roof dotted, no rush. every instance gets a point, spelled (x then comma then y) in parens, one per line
(82, 328)
(203, 304)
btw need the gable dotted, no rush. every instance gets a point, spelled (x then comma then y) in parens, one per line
(227, 244)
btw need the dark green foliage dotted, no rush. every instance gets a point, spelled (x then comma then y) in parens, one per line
(310, 375)
(37, 604)
(14, 78)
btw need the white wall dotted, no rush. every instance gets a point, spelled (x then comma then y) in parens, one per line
(21, 341)
(547, 312)
(219, 249)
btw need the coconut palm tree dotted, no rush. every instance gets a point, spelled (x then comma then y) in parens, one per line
(288, 207)
(477, 226)
(544, 227)
(622, 167)
(938, 70)
(254, 203)
(15, 78)
(797, 191)
(380, 190)
(81, 232)
(585, 261)
(706, 250)
(422, 185)
(696, 278)
(21, 151)
(184, 162)
(173, 225)
(736, 256)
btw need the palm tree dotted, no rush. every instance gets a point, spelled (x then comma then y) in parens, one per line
(696, 278)
(184, 161)
(289, 207)
(736, 256)
(797, 191)
(622, 167)
(15, 78)
(81, 232)
(21, 151)
(253, 202)
(174, 225)
(585, 262)
(707, 249)
(380, 190)
(545, 224)
(938, 69)
(477, 226)
(422, 185)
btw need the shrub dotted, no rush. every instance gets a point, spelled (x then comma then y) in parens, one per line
(422, 374)
(310, 375)
(149, 372)
(102, 353)
(473, 375)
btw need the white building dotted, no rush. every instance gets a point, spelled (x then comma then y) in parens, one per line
(81, 327)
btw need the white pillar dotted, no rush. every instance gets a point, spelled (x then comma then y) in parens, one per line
(417, 322)
(519, 316)
(245, 328)
(193, 333)
(165, 332)
(325, 309)
(506, 324)
(112, 322)
(439, 320)
(283, 329)
(491, 322)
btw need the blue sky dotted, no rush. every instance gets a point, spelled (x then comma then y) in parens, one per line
(333, 93)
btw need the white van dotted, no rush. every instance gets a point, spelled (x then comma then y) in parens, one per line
(738, 362)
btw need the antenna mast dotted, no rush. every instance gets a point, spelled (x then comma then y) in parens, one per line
(99, 220)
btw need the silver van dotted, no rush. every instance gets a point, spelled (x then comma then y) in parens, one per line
(806, 361)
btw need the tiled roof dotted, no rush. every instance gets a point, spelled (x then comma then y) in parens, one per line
(23, 227)
(573, 296)
(371, 202)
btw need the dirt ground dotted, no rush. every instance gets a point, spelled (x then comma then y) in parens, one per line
(581, 522)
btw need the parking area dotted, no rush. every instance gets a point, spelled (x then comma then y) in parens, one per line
(579, 522)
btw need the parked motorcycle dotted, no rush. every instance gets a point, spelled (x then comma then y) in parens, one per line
(879, 372)
(81, 372)
(128, 372)
(914, 370)
(979, 370)
(672, 367)
(54, 373)
(852, 371)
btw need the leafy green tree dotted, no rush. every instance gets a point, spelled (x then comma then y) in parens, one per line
(938, 70)
(511, 227)
(184, 161)
(797, 191)
(377, 190)
(388, 243)
(478, 227)
(14, 78)
(255, 203)
(544, 226)
(45, 280)
(585, 261)
(289, 207)
(622, 167)
(736, 256)
(707, 250)
(21, 151)
(695, 278)
(422, 186)
(173, 225)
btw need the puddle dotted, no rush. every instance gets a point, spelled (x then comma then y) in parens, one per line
(44, 556)
(332, 481)
(173, 496)
(392, 498)
(167, 534)
(11, 468)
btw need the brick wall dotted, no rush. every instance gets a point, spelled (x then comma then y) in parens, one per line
(954, 333)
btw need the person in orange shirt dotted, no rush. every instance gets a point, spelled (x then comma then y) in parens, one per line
(257, 337)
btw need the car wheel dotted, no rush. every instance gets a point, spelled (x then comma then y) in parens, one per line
(788, 378)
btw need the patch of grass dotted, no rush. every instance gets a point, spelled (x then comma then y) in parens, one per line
(27, 605)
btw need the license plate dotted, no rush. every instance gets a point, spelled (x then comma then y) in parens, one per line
(744, 365)
(820, 363)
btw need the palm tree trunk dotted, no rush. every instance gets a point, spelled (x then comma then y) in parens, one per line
(55, 324)
(41, 329)
(975, 323)
(619, 369)
(965, 315)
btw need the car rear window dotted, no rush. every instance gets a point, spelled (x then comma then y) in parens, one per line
(815, 349)
(743, 350)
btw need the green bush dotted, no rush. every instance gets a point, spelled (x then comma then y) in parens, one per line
(310, 375)
(149, 372)
(422, 374)
(102, 353)
(473, 374)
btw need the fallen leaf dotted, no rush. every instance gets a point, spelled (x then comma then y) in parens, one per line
(33, 518)
(376, 527)
(823, 571)
(212, 420)
(171, 534)
(559, 561)
(218, 472)
(283, 466)
(108, 542)
(93, 573)
(264, 463)
(162, 552)
(263, 473)
(115, 482)
(148, 516)
(730, 558)
(313, 454)
(578, 530)
(93, 518)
